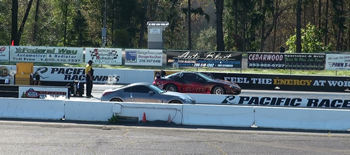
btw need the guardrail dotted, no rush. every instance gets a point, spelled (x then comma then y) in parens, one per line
(207, 115)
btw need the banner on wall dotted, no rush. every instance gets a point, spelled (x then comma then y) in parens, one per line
(42, 92)
(104, 56)
(46, 54)
(337, 62)
(266, 60)
(286, 82)
(4, 53)
(287, 102)
(50, 75)
(286, 61)
(208, 59)
(143, 57)
(305, 61)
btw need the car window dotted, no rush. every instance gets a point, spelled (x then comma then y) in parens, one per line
(156, 89)
(188, 77)
(141, 89)
(176, 77)
(137, 89)
(199, 78)
(129, 90)
(206, 77)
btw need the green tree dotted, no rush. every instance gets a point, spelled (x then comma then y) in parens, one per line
(298, 27)
(78, 35)
(5, 23)
(207, 40)
(220, 45)
(311, 41)
(339, 22)
(242, 22)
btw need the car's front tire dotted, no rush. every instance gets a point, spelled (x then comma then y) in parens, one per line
(218, 90)
(171, 87)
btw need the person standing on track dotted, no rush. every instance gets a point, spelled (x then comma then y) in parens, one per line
(89, 73)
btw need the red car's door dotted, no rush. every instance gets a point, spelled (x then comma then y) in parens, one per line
(192, 83)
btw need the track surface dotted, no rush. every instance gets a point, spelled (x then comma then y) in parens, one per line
(71, 138)
(25, 137)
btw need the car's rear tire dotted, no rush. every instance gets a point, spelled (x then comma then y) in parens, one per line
(171, 87)
(175, 102)
(218, 90)
(116, 100)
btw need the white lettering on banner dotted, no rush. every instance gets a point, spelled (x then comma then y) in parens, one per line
(339, 83)
(319, 83)
(287, 102)
(261, 81)
(265, 57)
(62, 74)
(187, 55)
(237, 79)
(101, 75)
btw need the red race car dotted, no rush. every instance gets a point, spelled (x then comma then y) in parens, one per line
(194, 82)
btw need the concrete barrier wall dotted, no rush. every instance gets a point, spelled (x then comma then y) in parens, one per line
(302, 118)
(31, 109)
(102, 111)
(198, 114)
(153, 112)
(234, 116)
(208, 98)
(89, 111)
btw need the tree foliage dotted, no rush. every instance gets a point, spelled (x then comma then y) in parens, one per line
(311, 41)
(248, 25)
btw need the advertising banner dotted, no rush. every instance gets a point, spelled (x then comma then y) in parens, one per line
(286, 61)
(305, 61)
(143, 57)
(287, 102)
(104, 56)
(208, 59)
(50, 75)
(266, 60)
(287, 82)
(42, 92)
(46, 54)
(6, 74)
(291, 101)
(4, 53)
(337, 62)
